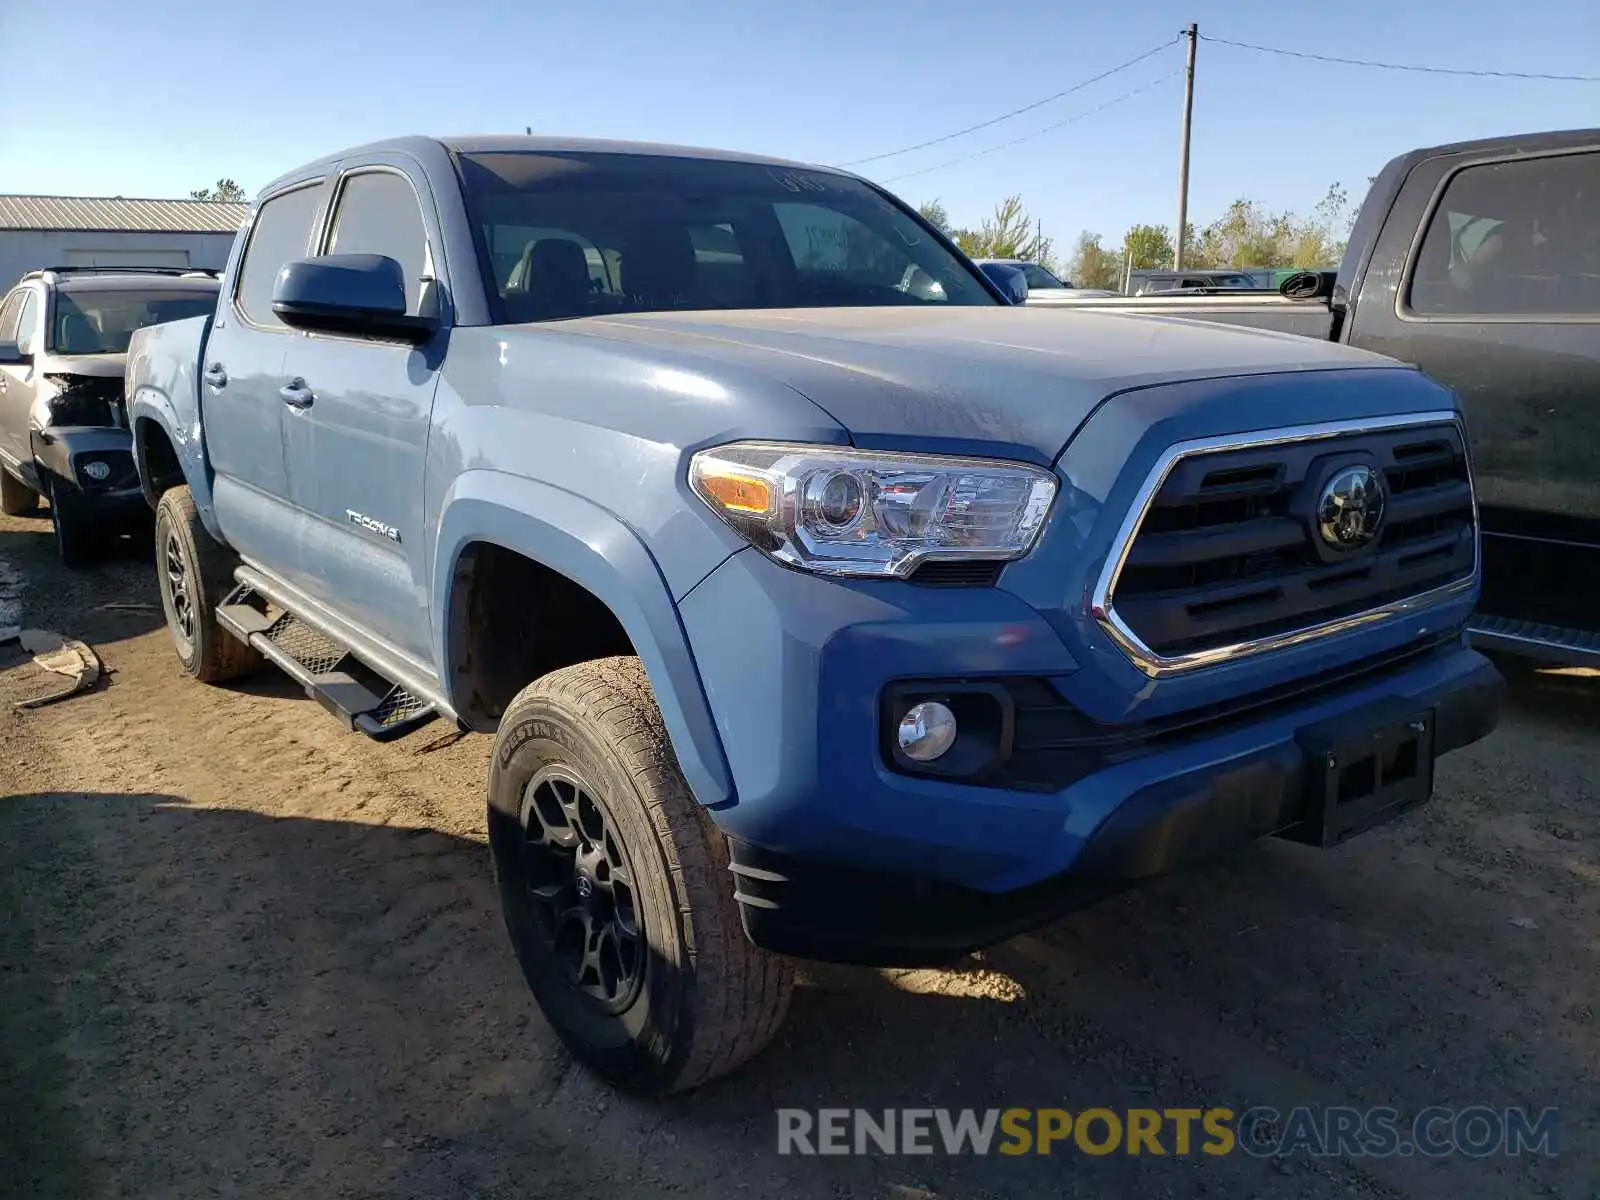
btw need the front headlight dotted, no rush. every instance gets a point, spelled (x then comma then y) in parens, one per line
(858, 512)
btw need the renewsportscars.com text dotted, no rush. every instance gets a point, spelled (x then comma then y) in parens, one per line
(1477, 1132)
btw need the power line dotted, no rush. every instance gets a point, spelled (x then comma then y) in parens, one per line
(1388, 66)
(1016, 112)
(1027, 137)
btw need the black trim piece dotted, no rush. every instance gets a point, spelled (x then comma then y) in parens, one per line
(957, 574)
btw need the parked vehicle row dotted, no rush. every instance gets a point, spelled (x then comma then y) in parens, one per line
(821, 602)
(64, 430)
(1480, 263)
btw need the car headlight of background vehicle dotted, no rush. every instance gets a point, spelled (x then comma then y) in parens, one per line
(838, 511)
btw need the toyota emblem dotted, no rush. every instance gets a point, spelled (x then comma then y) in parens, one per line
(1350, 510)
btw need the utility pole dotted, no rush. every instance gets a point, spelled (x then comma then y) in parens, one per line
(1193, 34)
(1038, 240)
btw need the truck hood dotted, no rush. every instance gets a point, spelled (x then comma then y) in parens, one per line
(1003, 377)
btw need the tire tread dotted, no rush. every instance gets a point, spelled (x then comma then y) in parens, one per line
(741, 992)
(221, 655)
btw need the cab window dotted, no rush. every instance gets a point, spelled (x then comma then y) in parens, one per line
(1514, 238)
(378, 213)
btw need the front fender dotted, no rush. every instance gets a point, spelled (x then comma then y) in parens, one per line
(149, 407)
(594, 549)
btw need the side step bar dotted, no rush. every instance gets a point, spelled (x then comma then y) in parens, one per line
(1548, 643)
(349, 689)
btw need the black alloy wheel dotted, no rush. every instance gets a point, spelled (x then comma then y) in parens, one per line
(580, 879)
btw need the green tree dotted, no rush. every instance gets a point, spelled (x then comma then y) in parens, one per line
(1320, 240)
(226, 190)
(1011, 233)
(934, 214)
(1148, 246)
(1093, 266)
(1247, 235)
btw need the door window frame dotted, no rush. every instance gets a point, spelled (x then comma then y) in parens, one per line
(430, 261)
(318, 219)
(1402, 301)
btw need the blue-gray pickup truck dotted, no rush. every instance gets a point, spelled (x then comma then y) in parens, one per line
(822, 604)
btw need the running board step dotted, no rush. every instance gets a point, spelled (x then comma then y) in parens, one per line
(353, 692)
(1549, 643)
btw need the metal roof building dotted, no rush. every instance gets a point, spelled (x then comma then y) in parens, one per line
(109, 231)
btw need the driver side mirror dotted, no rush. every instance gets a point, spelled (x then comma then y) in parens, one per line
(361, 294)
(1013, 284)
(13, 355)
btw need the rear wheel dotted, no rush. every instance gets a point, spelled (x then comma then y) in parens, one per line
(616, 889)
(194, 573)
(16, 498)
(72, 522)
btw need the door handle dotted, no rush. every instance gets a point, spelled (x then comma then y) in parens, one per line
(216, 377)
(296, 394)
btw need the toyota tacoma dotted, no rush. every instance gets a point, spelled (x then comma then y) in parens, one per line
(821, 604)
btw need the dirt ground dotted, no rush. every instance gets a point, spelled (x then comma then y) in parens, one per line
(244, 953)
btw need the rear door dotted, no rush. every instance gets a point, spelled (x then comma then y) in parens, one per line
(357, 439)
(241, 378)
(1500, 300)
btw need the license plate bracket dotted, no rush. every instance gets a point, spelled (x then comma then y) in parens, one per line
(1364, 768)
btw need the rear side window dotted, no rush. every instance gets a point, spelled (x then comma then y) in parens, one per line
(9, 312)
(28, 322)
(282, 231)
(1514, 238)
(377, 213)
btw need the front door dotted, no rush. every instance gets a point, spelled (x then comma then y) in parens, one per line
(20, 323)
(357, 436)
(241, 376)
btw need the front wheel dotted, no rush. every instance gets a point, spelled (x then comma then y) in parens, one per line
(72, 523)
(194, 573)
(616, 890)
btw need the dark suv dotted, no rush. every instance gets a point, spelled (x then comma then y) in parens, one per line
(63, 426)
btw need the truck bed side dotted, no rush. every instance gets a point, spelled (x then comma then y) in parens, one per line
(1264, 310)
(162, 387)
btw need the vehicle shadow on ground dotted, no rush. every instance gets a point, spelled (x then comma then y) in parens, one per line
(331, 1008)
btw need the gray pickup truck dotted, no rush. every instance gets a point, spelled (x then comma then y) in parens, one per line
(1480, 263)
(821, 603)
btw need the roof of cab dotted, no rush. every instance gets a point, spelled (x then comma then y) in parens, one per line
(1515, 143)
(435, 151)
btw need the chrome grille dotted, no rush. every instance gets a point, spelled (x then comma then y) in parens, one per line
(1221, 556)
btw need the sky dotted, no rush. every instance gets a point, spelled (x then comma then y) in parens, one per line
(157, 98)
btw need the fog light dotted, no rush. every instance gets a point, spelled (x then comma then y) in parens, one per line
(97, 470)
(927, 731)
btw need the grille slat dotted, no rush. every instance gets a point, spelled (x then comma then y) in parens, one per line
(1227, 551)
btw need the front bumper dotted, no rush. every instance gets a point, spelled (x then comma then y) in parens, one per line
(840, 913)
(66, 451)
(838, 856)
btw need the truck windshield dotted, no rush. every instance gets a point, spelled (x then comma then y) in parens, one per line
(90, 322)
(565, 234)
